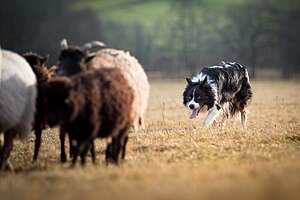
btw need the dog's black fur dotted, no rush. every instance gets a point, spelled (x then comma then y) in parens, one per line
(225, 86)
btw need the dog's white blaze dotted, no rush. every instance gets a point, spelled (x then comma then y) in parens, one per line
(196, 105)
(211, 116)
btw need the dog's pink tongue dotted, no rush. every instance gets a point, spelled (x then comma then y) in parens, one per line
(194, 114)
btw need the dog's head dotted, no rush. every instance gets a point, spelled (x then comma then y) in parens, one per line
(198, 97)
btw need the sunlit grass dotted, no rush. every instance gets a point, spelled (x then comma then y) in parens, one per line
(176, 158)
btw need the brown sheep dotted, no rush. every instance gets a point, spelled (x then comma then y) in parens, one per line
(43, 74)
(90, 104)
(74, 59)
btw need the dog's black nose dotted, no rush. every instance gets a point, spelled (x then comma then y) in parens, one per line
(192, 106)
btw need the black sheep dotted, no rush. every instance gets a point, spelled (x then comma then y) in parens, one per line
(37, 63)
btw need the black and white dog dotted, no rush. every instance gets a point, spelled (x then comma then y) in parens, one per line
(223, 87)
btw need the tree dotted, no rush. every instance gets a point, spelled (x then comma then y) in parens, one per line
(245, 34)
(35, 25)
(187, 28)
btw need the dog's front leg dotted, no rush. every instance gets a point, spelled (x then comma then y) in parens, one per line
(211, 116)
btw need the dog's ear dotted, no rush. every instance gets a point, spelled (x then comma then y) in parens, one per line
(189, 81)
(204, 83)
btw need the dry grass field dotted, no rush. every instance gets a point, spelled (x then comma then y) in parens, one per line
(175, 157)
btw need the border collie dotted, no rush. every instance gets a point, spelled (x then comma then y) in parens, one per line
(225, 87)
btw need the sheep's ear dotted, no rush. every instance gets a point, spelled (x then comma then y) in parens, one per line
(189, 81)
(44, 59)
(89, 57)
(92, 44)
(64, 44)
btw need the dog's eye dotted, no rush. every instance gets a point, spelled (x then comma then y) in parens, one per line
(198, 97)
(190, 97)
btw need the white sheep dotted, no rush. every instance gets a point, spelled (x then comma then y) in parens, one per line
(17, 102)
(135, 75)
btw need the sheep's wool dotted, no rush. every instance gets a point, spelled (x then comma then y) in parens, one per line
(135, 75)
(17, 94)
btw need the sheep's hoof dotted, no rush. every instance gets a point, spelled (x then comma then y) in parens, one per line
(73, 165)
(63, 158)
(8, 167)
(112, 161)
(83, 163)
(34, 158)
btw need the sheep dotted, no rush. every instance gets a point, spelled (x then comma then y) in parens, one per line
(17, 102)
(43, 75)
(133, 72)
(37, 63)
(76, 55)
(90, 104)
(73, 59)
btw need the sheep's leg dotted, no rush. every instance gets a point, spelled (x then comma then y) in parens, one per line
(72, 146)
(116, 142)
(124, 147)
(76, 152)
(85, 149)
(37, 142)
(7, 148)
(108, 153)
(62, 136)
(81, 149)
(92, 149)
(120, 143)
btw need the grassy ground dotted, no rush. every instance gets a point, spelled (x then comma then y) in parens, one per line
(176, 158)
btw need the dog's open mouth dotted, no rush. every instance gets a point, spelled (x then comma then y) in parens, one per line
(196, 111)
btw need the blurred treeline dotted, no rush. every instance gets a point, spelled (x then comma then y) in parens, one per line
(169, 37)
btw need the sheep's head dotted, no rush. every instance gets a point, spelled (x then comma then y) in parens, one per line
(35, 60)
(58, 106)
(73, 59)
